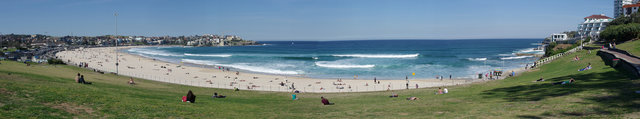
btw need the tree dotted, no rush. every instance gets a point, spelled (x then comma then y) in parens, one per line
(622, 32)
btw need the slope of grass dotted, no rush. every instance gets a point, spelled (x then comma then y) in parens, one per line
(632, 47)
(48, 91)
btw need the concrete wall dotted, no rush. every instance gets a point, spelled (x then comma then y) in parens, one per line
(621, 65)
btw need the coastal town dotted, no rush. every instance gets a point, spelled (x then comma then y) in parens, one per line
(40, 48)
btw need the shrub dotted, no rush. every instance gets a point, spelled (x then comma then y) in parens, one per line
(621, 32)
(54, 61)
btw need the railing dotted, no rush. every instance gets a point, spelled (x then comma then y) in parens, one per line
(551, 58)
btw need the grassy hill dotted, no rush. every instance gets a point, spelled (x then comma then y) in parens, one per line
(48, 91)
(632, 47)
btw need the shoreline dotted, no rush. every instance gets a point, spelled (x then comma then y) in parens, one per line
(205, 76)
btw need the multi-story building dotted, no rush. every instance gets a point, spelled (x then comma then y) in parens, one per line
(558, 37)
(617, 6)
(593, 25)
(630, 9)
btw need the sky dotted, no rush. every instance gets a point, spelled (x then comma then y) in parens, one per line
(284, 20)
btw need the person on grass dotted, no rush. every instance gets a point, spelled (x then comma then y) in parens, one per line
(565, 82)
(81, 80)
(412, 98)
(394, 95)
(325, 101)
(294, 97)
(191, 97)
(131, 81)
(586, 68)
(77, 78)
(215, 95)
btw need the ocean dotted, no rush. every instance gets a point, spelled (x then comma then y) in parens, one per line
(366, 59)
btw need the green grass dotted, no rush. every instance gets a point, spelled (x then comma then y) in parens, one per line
(48, 91)
(632, 47)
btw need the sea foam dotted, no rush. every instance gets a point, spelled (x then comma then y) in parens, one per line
(259, 69)
(202, 62)
(515, 57)
(379, 55)
(477, 59)
(208, 55)
(329, 65)
(153, 52)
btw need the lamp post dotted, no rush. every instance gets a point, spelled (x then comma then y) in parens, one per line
(116, 37)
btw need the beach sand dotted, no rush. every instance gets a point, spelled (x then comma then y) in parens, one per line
(103, 59)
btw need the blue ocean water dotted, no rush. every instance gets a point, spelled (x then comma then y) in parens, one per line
(383, 59)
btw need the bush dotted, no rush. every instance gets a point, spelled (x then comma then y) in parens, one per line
(54, 61)
(549, 51)
(587, 39)
(621, 32)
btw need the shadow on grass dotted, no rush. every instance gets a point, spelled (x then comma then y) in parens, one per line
(617, 86)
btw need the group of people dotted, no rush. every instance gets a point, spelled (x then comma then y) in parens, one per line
(80, 79)
(440, 91)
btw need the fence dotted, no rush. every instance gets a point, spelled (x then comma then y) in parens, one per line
(554, 57)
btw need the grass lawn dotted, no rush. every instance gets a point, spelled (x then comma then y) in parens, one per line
(48, 91)
(632, 47)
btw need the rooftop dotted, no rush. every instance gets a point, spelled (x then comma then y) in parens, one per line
(631, 5)
(597, 16)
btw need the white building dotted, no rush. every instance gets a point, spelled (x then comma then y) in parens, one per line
(593, 25)
(558, 37)
(630, 9)
(618, 4)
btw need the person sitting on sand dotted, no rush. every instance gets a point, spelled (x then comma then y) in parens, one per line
(393, 95)
(412, 98)
(215, 95)
(325, 101)
(81, 80)
(131, 81)
(564, 82)
(191, 97)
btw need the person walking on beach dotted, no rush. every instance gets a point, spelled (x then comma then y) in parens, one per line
(374, 80)
(407, 85)
(449, 76)
(416, 86)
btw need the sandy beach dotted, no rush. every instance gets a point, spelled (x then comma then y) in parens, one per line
(103, 59)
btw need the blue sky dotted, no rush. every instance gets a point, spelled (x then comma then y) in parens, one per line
(302, 19)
